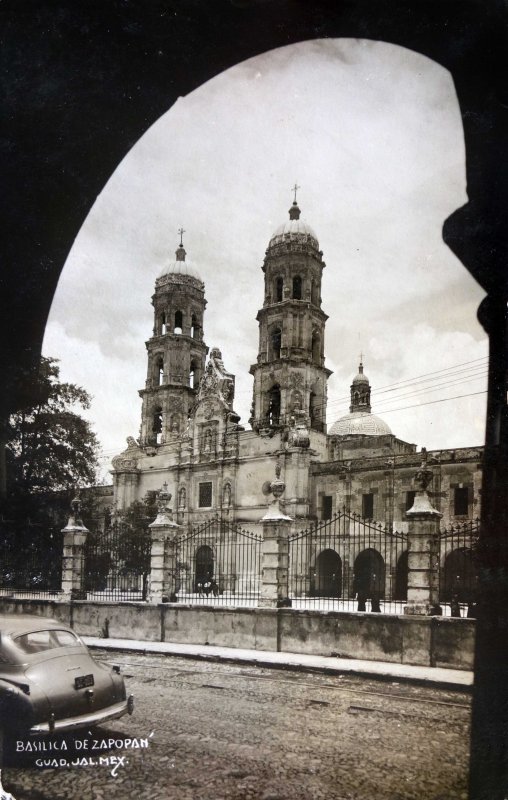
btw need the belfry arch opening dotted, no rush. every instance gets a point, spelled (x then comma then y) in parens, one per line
(159, 371)
(178, 327)
(194, 374)
(275, 343)
(157, 424)
(194, 327)
(273, 410)
(316, 347)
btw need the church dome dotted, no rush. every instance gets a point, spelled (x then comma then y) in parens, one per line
(294, 229)
(360, 423)
(179, 268)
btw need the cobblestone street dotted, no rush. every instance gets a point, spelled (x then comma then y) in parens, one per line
(207, 731)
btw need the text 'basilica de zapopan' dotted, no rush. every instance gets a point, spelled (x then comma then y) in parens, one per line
(191, 437)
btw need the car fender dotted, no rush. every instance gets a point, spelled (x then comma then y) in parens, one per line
(16, 710)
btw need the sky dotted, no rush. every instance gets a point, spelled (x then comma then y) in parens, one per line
(372, 135)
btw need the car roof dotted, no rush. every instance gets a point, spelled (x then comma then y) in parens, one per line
(24, 623)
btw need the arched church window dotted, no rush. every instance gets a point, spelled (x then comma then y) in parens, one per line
(297, 288)
(279, 289)
(274, 405)
(157, 424)
(316, 347)
(276, 340)
(178, 322)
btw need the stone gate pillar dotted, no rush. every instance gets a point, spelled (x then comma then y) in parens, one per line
(275, 550)
(73, 555)
(163, 555)
(423, 552)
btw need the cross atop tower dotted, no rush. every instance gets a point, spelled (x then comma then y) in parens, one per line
(181, 232)
(295, 189)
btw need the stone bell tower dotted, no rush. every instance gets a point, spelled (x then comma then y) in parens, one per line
(176, 351)
(290, 373)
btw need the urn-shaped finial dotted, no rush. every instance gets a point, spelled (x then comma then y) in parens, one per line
(276, 488)
(74, 523)
(164, 511)
(421, 481)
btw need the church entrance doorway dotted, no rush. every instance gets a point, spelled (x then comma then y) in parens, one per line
(203, 565)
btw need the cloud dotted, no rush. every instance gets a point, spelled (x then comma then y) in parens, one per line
(372, 133)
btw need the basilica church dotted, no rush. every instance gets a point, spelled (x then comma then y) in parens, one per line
(192, 439)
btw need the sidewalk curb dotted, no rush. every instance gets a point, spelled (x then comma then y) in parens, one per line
(328, 665)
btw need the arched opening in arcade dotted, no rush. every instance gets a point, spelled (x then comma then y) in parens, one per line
(401, 577)
(327, 575)
(458, 578)
(369, 575)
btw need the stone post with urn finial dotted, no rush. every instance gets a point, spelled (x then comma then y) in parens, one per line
(275, 549)
(163, 582)
(423, 549)
(73, 555)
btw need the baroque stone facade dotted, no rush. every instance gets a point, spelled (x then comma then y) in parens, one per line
(191, 438)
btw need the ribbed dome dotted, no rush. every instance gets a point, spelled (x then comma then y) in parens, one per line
(180, 268)
(294, 228)
(360, 423)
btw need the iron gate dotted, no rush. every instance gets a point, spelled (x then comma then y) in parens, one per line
(348, 563)
(117, 563)
(220, 563)
(457, 568)
(30, 560)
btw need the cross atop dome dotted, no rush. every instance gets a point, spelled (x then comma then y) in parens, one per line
(180, 253)
(294, 211)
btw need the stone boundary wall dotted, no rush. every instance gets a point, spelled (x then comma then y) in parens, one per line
(423, 641)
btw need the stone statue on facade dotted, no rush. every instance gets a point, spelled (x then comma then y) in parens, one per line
(298, 434)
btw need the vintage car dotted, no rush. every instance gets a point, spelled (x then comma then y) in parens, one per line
(49, 682)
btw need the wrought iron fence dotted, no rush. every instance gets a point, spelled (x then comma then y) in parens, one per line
(457, 568)
(218, 563)
(30, 560)
(348, 563)
(117, 563)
